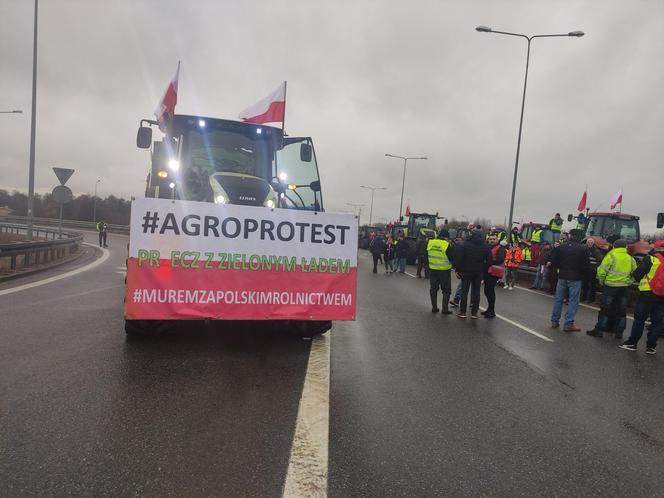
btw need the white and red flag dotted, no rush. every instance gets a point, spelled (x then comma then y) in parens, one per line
(271, 109)
(408, 209)
(582, 202)
(166, 108)
(616, 199)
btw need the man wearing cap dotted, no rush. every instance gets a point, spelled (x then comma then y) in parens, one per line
(648, 304)
(570, 262)
(615, 276)
(439, 271)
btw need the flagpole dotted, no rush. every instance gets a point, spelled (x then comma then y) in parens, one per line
(283, 121)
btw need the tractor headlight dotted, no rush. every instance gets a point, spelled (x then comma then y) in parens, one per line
(270, 203)
(174, 164)
(220, 199)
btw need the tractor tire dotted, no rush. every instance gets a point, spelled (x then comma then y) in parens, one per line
(145, 328)
(308, 328)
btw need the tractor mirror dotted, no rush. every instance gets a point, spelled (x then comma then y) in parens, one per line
(315, 186)
(305, 153)
(660, 220)
(144, 137)
(570, 217)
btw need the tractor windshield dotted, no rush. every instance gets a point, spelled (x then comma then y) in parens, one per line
(604, 226)
(221, 151)
(418, 222)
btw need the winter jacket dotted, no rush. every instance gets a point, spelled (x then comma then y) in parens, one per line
(377, 246)
(544, 256)
(571, 260)
(473, 256)
(402, 249)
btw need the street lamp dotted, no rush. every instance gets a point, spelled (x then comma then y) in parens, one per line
(359, 207)
(33, 129)
(403, 182)
(373, 189)
(17, 111)
(485, 29)
(94, 204)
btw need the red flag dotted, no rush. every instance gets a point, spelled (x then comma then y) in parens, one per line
(616, 199)
(582, 203)
(166, 108)
(408, 209)
(271, 109)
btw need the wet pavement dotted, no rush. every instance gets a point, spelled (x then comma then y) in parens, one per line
(424, 404)
(420, 404)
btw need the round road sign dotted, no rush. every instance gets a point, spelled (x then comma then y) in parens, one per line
(62, 194)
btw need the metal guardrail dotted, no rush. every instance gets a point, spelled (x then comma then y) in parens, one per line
(83, 225)
(52, 246)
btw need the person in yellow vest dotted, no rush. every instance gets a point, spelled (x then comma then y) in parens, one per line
(648, 304)
(556, 226)
(615, 275)
(440, 271)
(527, 254)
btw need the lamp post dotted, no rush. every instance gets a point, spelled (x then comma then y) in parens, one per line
(33, 127)
(94, 204)
(17, 111)
(403, 182)
(485, 29)
(373, 189)
(359, 212)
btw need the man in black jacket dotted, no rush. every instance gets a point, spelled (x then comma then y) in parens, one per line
(377, 248)
(571, 261)
(470, 262)
(589, 285)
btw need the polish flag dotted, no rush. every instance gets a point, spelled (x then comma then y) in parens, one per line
(582, 202)
(408, 209)
(271, 109)
(616, 199)
(166, 108)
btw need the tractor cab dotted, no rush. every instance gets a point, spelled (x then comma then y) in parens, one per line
(421, 224)
(222, 161)
(602, 226)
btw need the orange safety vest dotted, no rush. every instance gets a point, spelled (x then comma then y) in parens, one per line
(513, 258)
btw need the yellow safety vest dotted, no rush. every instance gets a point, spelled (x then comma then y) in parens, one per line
(616, 268)
(527, 256)
(437, 253)
(644, 284)
(555, 226)
(537, 236)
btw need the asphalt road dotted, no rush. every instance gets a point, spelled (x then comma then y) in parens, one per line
(420, 404)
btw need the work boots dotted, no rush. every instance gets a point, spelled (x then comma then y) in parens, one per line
(446, 301)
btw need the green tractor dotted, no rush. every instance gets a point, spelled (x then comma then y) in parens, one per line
(419, 225)
(229, 162)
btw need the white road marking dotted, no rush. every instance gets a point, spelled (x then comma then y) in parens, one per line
(522, 327)
(552, 297)
(121, 272)
(307, 466)
(49, 280)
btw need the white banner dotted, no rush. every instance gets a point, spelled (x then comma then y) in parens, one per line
(165, 225)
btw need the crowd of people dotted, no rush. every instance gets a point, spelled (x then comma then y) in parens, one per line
(574, 270)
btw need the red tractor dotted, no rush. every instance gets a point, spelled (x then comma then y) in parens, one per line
(602, 226)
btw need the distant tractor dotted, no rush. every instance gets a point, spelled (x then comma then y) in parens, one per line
(602, 226)
(364, 235)
(545, 236)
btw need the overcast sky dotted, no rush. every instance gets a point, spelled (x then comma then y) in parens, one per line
(365, 78)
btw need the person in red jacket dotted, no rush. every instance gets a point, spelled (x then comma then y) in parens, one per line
(513, 259)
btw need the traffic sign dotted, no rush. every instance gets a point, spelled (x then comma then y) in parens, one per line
(63, 174)
(62, 194)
